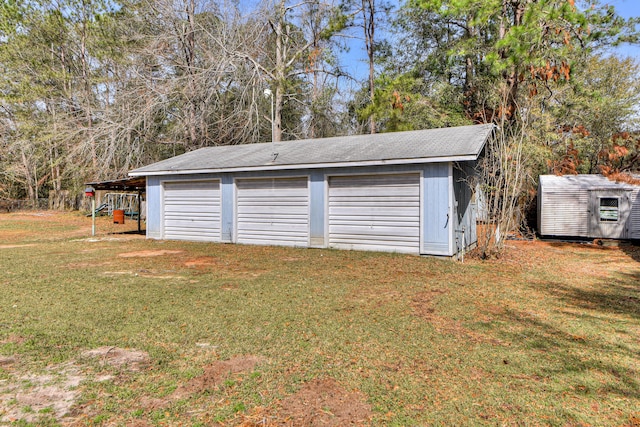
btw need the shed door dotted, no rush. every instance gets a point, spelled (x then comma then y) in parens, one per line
(375, 212)
(273, 211)
(609, 214)
(191, 210)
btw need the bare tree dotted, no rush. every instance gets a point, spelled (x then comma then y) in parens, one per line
(502, 177)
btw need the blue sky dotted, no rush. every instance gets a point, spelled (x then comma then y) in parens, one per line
(628, 9)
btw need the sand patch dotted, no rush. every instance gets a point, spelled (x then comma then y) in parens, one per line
(142, 273)
(133, 360)
(39, 398)
(147, 254)
(200, 262)
(31, 397)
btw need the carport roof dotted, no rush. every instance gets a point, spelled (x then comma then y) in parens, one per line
(125, 184)
(422, 146)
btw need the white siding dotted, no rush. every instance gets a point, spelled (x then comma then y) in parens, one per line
(634, 228)
(273, 211)
(191, 210)
(564, 213)
(375, 212)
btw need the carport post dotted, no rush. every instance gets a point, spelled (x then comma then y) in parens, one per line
(139, 210)
(91, 193)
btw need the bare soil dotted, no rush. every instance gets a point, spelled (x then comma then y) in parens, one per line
(324, 402)
(147, 254)
(133, 360)
(29, 396)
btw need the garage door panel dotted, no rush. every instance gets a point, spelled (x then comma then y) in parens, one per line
(375, 212)
(199, 210)
(398, 191)
(373, 240)
(288, 236)
(390, 180)
(373, 230)
(273, 211)
(300, 227)
(380, 220)
(376, 245)
(276, 185)
(264, 193)
(191, 210)
(195, 223)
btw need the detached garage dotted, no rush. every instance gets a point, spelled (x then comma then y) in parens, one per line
(400, 192)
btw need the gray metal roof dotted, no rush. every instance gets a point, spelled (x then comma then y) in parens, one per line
(422, 146)
(583, 182)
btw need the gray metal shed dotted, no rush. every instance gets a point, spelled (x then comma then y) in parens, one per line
(402, 192)
(590, 206)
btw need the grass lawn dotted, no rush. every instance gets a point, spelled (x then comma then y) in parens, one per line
(120, 330)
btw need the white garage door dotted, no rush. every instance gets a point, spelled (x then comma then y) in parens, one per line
(273, 211)
(375, 212)
(191, 210)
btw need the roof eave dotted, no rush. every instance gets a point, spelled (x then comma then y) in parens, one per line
(272, 167)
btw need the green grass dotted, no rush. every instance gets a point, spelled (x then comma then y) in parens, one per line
(550, 338)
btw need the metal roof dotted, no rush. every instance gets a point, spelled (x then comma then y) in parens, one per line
(583, 182)
(125, 184)
(422, 146)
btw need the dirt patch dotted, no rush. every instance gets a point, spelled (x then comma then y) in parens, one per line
(33, 397)
(200, 262)
(215, 373)
(213, 376)
(141, 273)
(133, 360)
(13, 339)
(147, 254)
(39, 398)
(225, 266)
(324, 402)
(15, 246)
(7, 360)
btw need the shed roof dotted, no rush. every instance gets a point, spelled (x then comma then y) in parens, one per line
(422, 146)
(583, 182)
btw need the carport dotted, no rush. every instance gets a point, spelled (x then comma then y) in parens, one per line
(135, 185)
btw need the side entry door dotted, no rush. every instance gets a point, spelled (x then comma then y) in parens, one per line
(609, 214)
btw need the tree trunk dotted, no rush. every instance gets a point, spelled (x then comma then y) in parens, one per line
(31, 190)
(189, 53)
(368, 24)
(279, 74)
